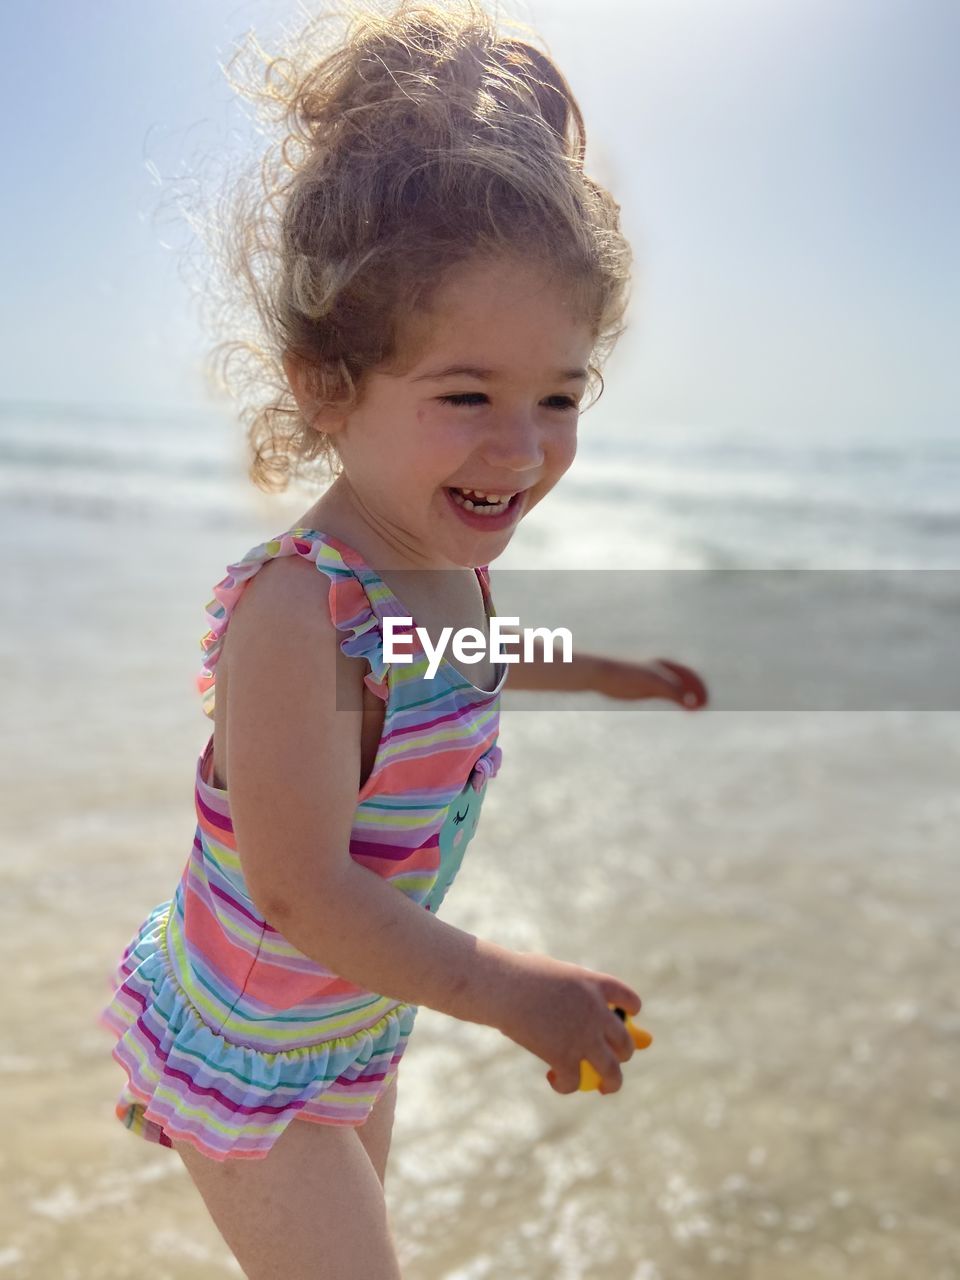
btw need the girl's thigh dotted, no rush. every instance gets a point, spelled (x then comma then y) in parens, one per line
(376, 1131)
(312, 1209)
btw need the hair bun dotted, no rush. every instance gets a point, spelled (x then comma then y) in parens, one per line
(412, 140)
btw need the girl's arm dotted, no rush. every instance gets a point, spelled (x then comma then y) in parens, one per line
(596, 673)
(294, 718)
(295, 712)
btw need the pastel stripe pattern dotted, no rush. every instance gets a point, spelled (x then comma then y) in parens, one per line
(225, 1030)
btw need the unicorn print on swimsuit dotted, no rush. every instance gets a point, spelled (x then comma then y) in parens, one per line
(463, 816)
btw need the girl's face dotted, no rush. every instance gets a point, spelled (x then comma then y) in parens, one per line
(488, 407)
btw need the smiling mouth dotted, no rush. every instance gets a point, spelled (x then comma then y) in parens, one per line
(483, 504)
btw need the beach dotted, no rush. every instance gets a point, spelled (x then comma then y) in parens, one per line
(778, 883)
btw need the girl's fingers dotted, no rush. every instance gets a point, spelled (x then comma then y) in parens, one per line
(608, 1068)
(564, 1080)
(621, 1042)
(617, 1045)
(691, 690)
(698, 689)
(616, 992)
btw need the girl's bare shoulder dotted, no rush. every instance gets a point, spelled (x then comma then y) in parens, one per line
(272, 606)
(282, 641)
(288, 584)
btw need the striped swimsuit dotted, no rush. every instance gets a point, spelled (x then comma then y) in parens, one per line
(226, 1031)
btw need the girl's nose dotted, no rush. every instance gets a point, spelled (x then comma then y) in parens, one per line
(515, 443)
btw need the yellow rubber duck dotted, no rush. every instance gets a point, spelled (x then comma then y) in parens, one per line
(589, 1078)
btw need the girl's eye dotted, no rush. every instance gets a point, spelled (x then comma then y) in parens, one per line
(469, 398)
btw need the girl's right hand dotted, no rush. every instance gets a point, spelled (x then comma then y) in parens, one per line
(561, 1013)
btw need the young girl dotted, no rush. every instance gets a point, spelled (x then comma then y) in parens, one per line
(440, 274)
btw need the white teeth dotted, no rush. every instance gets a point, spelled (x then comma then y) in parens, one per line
(489, 497)
(495, 505)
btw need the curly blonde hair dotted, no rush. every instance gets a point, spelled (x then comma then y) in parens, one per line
(421, 138)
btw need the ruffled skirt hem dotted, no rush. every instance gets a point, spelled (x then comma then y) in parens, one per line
(186, 1082)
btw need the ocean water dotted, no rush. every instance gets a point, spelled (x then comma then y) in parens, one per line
(733, 504)
(779, 885)
(679, 503)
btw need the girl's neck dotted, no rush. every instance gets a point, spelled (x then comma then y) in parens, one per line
(341, 514)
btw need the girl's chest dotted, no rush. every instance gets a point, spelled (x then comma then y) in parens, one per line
(455, 606)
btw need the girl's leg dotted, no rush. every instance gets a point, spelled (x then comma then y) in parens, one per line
(376, 1130)
(312, 1209)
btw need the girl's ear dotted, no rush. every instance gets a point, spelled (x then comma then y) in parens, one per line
(305, 385)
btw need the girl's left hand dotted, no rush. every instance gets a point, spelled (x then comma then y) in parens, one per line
(659, 678)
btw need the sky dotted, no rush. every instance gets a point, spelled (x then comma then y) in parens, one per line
(786, 171)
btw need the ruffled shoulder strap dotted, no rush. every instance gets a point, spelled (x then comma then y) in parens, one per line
(354, 602)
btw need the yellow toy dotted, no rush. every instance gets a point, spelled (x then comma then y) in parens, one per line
(589, 1079)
